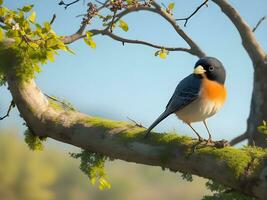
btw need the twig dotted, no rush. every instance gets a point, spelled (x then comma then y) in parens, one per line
(53, 19)
(136, 123)
(258, 24)
(61, 102)
(101, 3)
(197, 9)
(12, 105)
(124, 40)
(112, 21)
(67, 4)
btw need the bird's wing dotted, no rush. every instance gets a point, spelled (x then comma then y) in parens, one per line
(186, 92)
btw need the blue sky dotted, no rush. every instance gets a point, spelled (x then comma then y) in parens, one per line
(117, 82)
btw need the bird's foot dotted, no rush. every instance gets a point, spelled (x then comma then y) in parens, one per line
(209, 141)
(201, 143)
(221, 143)
(200, 139)
(217, 144)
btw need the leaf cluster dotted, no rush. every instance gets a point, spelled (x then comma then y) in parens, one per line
(263, 128)
(33, 44)
(92, 164)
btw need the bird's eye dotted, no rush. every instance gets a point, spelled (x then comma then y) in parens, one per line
(211, 68)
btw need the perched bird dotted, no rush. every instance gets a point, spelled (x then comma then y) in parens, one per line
(198, 96)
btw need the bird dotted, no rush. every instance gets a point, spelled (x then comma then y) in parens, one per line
(198, 96)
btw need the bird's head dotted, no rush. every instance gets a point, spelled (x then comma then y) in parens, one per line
(210, 68)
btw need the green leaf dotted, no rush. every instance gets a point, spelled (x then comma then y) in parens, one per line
(70, 50)
(162, 54)
(1, 2)
(1, 34)
(123, 25)
(34, 45)
(129, 2)
(50, 56)
(37, 68)
(27, 8)
(90, 43)
(32, 17)
(171, 6)
(89, 35)
(47, 26)
(3, 11)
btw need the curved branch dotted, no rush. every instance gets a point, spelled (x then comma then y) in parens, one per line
(249, 41)
(125, 141)
(124, 40)
(195, 49)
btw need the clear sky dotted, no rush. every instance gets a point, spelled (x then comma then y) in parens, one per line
(117, 82)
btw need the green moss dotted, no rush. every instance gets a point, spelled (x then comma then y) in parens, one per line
(34, 142)
(12, 58)
(55, 104)
(236, 159)
(93, 165)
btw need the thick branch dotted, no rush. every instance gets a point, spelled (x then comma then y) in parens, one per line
(124, 141)
(253, 48)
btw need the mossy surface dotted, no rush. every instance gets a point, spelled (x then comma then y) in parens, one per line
(236, 159)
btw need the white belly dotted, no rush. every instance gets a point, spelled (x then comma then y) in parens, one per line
(198, 110)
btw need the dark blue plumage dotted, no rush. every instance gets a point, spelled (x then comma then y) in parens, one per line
(185, 93)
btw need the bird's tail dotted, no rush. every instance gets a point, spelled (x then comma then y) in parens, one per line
(156, 122)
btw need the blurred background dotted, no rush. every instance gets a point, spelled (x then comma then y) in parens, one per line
(115, 81)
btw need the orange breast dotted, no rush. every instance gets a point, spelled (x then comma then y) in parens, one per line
(213, 91)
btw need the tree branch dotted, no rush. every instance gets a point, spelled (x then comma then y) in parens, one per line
(259, 23)
(239, 139)
(194, 48)
(249, 41)
(124, 40)
(197, 9)
(121, 140)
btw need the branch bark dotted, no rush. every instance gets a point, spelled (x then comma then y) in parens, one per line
(125, 141)
(249, 41)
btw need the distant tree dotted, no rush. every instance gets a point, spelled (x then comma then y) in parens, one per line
(25, 45)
